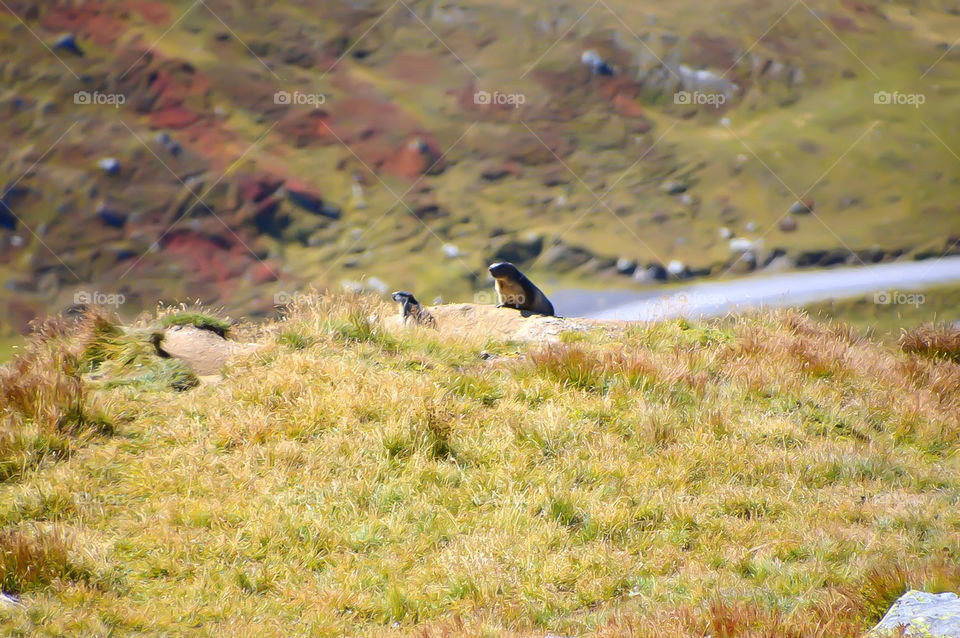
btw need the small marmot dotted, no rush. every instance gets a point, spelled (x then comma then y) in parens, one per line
(514, 290)
(411, 311)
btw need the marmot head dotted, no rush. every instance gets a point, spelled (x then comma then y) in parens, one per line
(504, 270)
(404, 297)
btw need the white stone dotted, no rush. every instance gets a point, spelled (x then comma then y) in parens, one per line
(922, 614)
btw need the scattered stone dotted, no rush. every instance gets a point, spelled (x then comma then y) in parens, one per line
(676, 268)
(674, 188)
(109, 165)
(598, 66)
(750, 227)
(377, 284)
(563, 257)
(653, 272)
(626, 266)
(310, 200)
(802, 207)
(741, 245)
(451, 251)
(519, 250)
(111, 216)
(922, 614)
(725, 233)
(787, 224)
(68, 42)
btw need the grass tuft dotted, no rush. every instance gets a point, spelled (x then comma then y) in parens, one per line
(197, 319)
(932, 340)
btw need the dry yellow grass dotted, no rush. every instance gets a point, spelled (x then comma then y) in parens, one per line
(765, 476)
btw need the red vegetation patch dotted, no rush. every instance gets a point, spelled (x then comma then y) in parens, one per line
(843, 23)
(263, 272)
(172, 118)
(153, 12)
(415, 68)
(417, 157)
(629, 108)
(307, 126)
(94, 20)
(713, 51)
(858, 6)
(211, 258)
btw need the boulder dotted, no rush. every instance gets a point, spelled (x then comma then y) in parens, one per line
(310, 200)
(922, 614)
(518, 250)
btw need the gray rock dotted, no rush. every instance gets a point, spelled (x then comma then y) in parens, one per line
(787, 224)
(922, 614)
(674, 188)
(110, 165)
(626, 266)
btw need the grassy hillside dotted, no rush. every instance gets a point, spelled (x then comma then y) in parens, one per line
(765, 476)
(401, 179)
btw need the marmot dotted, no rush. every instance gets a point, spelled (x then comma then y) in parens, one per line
(514, 290)
(411, 311)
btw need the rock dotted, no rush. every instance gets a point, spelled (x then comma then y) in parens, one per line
(598, 66)
(563, 257)
(674, 188)
(741, 245)
(787, 224)
(168, 144)
(8, 199)
(68, 42)
(6, 600)
(922, 614)
(750, 227)
(725, 233)
(626, 266)
(203, 350)
(109, 165)
(310, 200)
(518, 250)
(676, 268)
(495, 172)
(802, 207)
(377, 284)
(111, 216)
(451, 251)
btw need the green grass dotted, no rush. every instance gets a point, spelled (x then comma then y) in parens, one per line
(197, 319)
(888, 320)
(662, 481)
